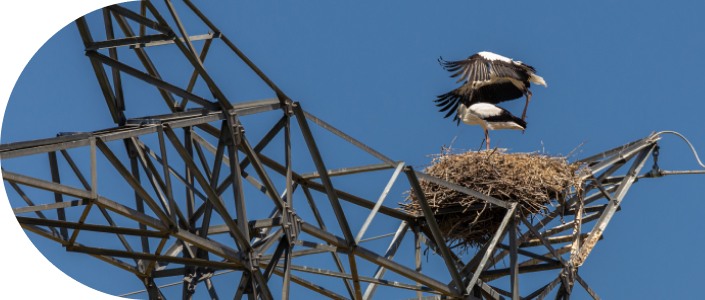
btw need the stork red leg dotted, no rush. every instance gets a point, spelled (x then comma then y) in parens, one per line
(523, 115)
(528, 97)
(487, 138)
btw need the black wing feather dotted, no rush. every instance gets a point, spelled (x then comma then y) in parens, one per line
(506, 116)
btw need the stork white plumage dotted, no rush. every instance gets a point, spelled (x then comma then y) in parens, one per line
(490, 117)
(489, 78)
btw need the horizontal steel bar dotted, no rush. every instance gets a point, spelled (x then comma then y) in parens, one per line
(379, 237)
(341, 195)
(91, 227)
(45, 185)
(463, 190)
(129, 41)
(43, 142)
(255, 224)
(152, 257)
(349, 171)
(43, 149)
(522, 270)
(553, 240)
(193, 38)
(41, 207)
(529, 254)
(361, 278)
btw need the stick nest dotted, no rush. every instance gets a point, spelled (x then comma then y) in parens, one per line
(532, 179)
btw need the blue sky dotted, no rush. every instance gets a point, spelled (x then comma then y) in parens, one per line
(615, 73)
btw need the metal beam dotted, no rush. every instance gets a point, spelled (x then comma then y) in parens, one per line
(433, 225)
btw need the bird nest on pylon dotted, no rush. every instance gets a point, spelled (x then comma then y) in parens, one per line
(533, 180)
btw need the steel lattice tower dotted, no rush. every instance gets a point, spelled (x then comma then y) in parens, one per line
(183, 225)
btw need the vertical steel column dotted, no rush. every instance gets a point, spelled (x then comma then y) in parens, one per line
(417, 251)
(513, 260)
(190, 197)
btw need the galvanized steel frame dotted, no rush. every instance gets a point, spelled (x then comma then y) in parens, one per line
(203, 257)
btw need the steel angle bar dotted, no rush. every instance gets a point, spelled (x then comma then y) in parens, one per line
(45, 185)
(498, 236)
(43, 149)
(341, 195)
(153, 257)
(621, 155)
(140, 19)
(514, 270)
(38, 212)
(181, 178)
(58, 198)
(530, 254)
(126, 134)
(152, 80)
(254, 224)
(362, 278)
(433, 225)
(158, 185)
(76, 171)
(130, 213)
(608, 153)
(212, 196)
(100, 74)
(134, 183)
(57, 238)
(190, 52)
(144, 58)
(129, 41)
(173, 207)
(323, 171)
(42, 207)
(391, 251)
(463, 190)
(604, 220)
(282, 97)
(379, 237)
(374, 211)
(586, 287)
(357, 200)
(194, 74)
(544, 241)
(321, 224)
(351, 170)
(379, 260)
(91, 227)
(312, 286)
(526, 236)
(547, 289)
(348, 138)
(193, 38)
(521, 270)
(44, 142)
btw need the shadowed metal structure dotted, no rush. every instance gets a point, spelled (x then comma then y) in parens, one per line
(184, 224)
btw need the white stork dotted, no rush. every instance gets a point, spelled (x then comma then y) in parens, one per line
(490, 117)
(490, 78)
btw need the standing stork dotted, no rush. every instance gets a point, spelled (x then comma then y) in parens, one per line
(489, 78)
(490, 117)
